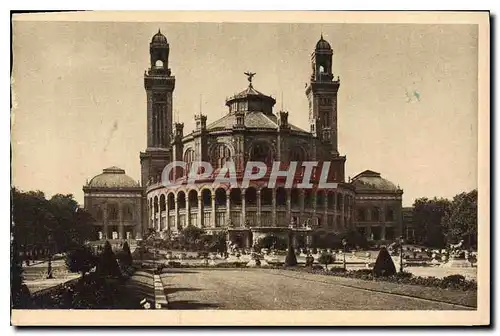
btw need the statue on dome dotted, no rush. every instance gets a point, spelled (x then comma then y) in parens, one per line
(250, 76)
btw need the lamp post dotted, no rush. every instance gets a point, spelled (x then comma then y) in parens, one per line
(49, 266)
(344, 243)
(401, 241)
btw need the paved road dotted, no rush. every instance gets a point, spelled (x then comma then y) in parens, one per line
(268, 289)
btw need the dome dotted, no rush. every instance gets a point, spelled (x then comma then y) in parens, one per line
(370, 180)
(323, 44)
(113, 177)
(159, 38)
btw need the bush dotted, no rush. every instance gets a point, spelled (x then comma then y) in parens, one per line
(314, 250)
(126, 256)
(326, 259)
(337, 270)
(384, 265)
(108, 266)
(454, 280)
(80, 259)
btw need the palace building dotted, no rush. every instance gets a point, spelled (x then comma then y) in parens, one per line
(250, 130)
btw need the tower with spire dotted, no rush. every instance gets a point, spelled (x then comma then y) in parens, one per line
(321, 91)
(159, 85)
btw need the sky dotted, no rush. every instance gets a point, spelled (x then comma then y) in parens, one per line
(407, 103)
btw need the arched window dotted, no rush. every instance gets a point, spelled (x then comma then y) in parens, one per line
(266, 196)
(251, 196)
(193, 199)
(171, 201)
(163, 204)
(261, 152)
(220, 155)
(206, 194)
(235, 196)
(220, 197)
(375, 214)
(320, 199)
(128, 212)
(188, 159)
(321, 69)
(390, 214)
(99, 215)
(112, 211)
(159, 64)
(298, 154)
(181, 200)
(295, 197)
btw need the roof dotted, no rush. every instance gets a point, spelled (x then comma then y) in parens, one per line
(249, 91)
(370, 181)
(253, 120)
(112, 177)
(323, 44)
(159, 38)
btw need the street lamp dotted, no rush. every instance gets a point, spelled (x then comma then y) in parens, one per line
(344, 243)
(401, 241)
(49, 266)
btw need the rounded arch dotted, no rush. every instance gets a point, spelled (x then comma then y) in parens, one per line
(390, 214)
(206, 195)
(188, 159)
(220, 197)
(235, 196)
(159, 63)
(181, 199)
(266, 196)
(171, 201)
(128, 211)
(261, 151)
(298, 154)
(251, 196)
(221, 153)
(280, 196)
(193, 198)
(163, 203)
(155, 204)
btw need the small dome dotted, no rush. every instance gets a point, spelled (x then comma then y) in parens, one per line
(370, 180)
(159, 38)
(113, 177)
(323, 44)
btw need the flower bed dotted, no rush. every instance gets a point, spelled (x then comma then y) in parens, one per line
(455, 281)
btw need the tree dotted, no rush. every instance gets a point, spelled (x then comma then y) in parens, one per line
(80, 259)
(108, 266)
(460, 220)
(191, 236)
(18, 291)
(326, 259)
(126, 257)
(218, 242)
(384, 266)
(427, 216)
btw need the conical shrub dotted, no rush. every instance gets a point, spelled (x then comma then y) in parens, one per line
(126, 255)
(108, 266)
(384, 266)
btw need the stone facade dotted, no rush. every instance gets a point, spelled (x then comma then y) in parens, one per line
(249, 131)
(378, 207)
(115, 202)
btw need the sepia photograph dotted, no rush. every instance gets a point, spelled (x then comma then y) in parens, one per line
(236, 168)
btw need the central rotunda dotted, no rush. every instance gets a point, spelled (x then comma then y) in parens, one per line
(250, 130)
